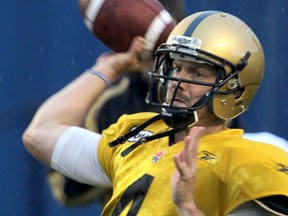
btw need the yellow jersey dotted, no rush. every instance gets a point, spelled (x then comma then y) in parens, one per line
(230, 171)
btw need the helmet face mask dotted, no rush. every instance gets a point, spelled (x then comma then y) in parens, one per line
(239, 68)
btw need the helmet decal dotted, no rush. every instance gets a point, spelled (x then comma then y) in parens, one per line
(194, 43)
(189, 31)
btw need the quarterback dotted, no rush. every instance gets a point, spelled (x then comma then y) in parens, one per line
(206, 73)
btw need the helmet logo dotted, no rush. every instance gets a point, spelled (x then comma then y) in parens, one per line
(193, 43)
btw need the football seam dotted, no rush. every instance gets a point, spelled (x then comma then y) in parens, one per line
(157, 26)
(91, 12)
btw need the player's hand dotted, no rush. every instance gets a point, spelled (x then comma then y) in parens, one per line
(116, 64)
(183, 179)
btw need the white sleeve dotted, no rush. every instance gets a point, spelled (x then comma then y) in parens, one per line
(269, 138)
(76, 156)
(250, 208)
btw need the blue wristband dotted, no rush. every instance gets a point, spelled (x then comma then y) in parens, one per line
(101, 75)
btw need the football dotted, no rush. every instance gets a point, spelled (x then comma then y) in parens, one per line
(115, 23)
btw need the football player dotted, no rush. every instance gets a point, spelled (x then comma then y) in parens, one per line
(208, 71)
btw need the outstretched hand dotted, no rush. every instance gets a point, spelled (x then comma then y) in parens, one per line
(183, 179)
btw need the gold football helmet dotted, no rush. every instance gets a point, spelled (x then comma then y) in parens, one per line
(218, 39)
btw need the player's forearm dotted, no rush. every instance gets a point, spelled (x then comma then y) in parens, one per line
(66, 108)
(69, 106)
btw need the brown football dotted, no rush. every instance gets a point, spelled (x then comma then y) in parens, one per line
(117, 22)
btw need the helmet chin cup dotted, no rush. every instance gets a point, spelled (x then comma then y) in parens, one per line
(175, 118)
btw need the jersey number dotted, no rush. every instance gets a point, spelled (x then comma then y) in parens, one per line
(136, 192)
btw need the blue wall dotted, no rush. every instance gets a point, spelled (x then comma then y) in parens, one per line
(44, 45)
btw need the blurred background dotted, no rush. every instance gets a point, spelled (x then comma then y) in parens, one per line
(45, 44)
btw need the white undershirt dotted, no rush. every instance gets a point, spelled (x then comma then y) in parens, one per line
(268, 138)
(76, 156)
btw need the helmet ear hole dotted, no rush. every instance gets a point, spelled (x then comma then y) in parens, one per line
(238, 93)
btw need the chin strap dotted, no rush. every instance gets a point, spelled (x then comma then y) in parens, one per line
(124, 138)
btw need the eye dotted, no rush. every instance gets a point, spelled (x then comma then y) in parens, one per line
(177, 69)
(201, 75)
(196, 74)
